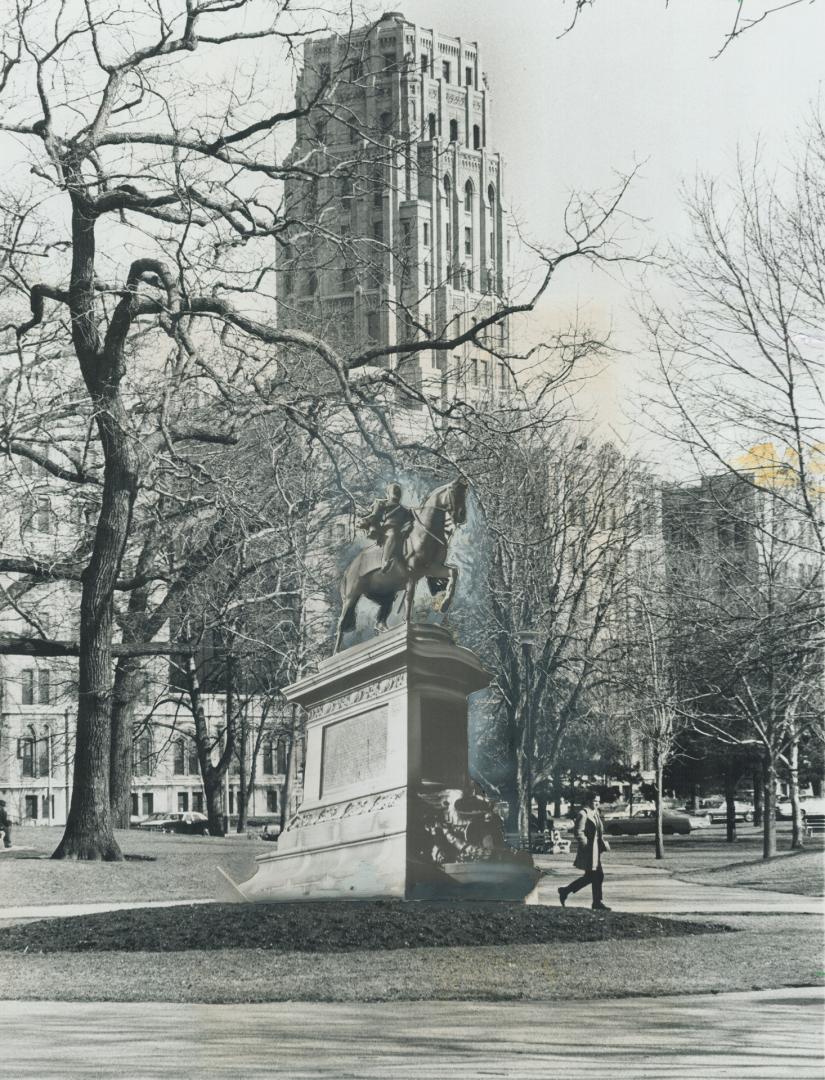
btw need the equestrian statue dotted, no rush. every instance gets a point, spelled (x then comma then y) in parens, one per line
(410, 543)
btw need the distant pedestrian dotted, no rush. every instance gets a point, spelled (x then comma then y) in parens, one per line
(590, 835)
(5, 824)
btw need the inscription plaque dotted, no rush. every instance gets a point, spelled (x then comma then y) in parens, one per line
(354, 750)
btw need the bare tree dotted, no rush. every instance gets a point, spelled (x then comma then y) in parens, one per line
(751, 669)
(561, 514)
(124, 161)
(748, 14)
(740, 350)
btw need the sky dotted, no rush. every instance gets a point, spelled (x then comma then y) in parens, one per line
(633, 83)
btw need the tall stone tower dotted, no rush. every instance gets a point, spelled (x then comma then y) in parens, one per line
(395, 200)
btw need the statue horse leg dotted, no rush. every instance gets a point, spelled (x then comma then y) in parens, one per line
(452, 581)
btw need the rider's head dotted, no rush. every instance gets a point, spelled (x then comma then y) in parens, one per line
(394, 491)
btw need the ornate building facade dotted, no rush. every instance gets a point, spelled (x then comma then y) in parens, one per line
(398, 233)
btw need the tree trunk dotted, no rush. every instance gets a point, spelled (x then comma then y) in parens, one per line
(88, 832)
(243, 781)
(658, 765)
(769, 822)
(730, 807)
(757, 798)
(797, 832)
(124, 692)
(211, 775)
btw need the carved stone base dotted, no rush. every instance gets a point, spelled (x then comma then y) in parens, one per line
(388, 808)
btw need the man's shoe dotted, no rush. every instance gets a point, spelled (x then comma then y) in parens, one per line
(600, 907)
(562, 896)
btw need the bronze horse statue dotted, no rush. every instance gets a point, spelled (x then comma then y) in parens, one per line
(424, 556)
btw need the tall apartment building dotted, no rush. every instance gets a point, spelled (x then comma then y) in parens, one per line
(401, 236)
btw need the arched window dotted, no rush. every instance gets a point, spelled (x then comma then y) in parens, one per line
(491, 197)
(385, 122)
(454, 131)
(476, 137)
(448, 187)
(431, 124)
(468, 197)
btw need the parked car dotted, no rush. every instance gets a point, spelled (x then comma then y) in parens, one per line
(182, 822)
(743, 811)
(645, 822)
(271, 831)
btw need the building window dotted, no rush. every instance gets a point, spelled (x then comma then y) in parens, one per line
(272, 800)
(428, 326)
(475, 371)
(197, 801)
(431, 124)
(26, 753)
(347, 278)
(135, 811)
(27, 681)
(385, 122)
(373, 325)
(485, 373)
(426, 273)
(44, 687)
(324, 72)
(454, 131)
(476, 137)
(468, 241)
(281, 755)
(468, 76)
(445, 70)
(31, 808)
(311, 283)
(468, 197)
(183, 802)
(426, 234)
(268, 762)
(389, 61)
(142, 757)
(185, 756)
(406, 230)
(425, 63)
(147, 804)
(26, 467)
(43, 519)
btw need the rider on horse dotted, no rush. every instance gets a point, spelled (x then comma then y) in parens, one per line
(387, 523)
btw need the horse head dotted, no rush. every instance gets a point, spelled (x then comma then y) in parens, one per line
(451, 498)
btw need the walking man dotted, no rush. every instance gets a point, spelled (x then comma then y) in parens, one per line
(590, 835)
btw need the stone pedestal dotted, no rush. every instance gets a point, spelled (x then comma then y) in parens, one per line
(388, 808)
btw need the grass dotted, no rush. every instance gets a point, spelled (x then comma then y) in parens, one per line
(164, 867)
(326, 927)
(767, 952)
(705, 857)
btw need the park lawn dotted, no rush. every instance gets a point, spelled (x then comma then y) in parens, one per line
(705, 857)
(766, 952)
(160, 868)
(792, 872)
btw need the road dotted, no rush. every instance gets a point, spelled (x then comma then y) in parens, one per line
(767, 1035)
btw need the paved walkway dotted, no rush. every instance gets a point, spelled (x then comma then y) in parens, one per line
(766, 1035)
(652, 891)
(628, 887)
